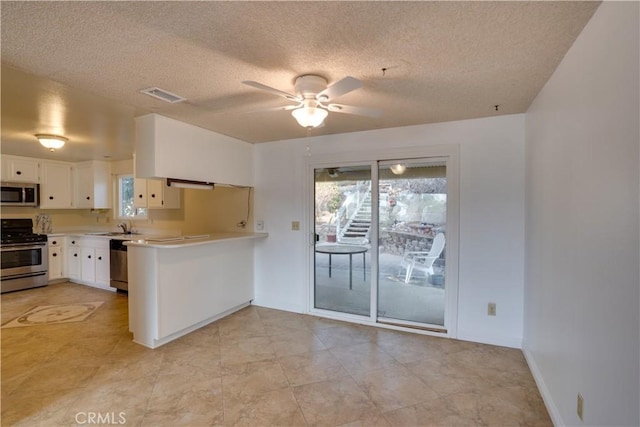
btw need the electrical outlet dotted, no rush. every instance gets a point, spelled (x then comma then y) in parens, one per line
(259, 225)
(491, 309)
(295, 225)
(580, 406)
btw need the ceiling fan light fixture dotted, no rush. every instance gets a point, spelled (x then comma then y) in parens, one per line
(52, 142)
(309, 117)
(398, 169)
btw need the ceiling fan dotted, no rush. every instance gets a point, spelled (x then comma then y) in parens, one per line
(312, 97)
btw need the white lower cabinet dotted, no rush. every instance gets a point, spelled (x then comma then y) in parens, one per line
(88, 265)
(102, 267)
(57, 266)
(73, 258)
(88, 261)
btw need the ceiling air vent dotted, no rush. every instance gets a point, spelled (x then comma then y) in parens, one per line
(162, 94)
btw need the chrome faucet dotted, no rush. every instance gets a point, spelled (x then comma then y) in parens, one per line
(125, 229)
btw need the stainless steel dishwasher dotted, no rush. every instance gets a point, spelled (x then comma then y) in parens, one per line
(118, 261)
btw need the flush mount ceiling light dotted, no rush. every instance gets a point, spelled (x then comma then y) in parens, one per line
(52, 142)
(398, 169)
(309, 116)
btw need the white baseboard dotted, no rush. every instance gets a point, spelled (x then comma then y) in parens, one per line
(277, 305)
(503, 341)
(542, 387)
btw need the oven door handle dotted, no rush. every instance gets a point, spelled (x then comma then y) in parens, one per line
(24, 275)
(24, 247)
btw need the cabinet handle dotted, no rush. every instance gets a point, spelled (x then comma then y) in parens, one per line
(153, 195)
(54, 242)
(140, 196)
(73, 242)
(18, 172)
(99, 258)
(89, 256)
(75, 255)
(54, 254)
(88, 198)
(50, 197)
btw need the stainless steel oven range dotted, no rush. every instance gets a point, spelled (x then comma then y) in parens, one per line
(24, 256)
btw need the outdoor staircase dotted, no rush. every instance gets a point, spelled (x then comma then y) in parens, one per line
(358, 227)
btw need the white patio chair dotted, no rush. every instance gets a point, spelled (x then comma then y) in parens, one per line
(423, 261)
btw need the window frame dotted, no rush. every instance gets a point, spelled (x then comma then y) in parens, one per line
(139, 213)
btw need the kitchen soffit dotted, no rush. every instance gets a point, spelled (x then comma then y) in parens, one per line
(444, 61)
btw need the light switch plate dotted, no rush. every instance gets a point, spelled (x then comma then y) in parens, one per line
(295, 225)
(259, 225)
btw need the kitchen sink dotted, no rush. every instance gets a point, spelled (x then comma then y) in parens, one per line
(111, 233)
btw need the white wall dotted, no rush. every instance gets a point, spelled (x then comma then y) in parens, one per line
(491, 267)
(582, 279)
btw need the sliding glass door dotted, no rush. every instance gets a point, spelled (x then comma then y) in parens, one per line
(384, 249)
(412, 242)
(342, 217)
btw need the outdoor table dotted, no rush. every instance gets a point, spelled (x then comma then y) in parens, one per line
(345, 250)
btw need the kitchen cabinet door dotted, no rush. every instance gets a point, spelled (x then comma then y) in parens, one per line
(88, 265)
(4, 169)
(22, 170)
(55, 188)
(73, 262)
(102, 267)
(57, 258)
(139, 193)
(92, 181)
(56, 261)
(159, 196)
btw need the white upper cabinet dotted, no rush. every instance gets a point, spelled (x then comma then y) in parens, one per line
(167, 148)
(154, 194)
(140, 193)
(56, 189)
(159, 196)
(92, 184)
(20, 169)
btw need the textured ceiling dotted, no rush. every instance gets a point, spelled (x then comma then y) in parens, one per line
(444, 61)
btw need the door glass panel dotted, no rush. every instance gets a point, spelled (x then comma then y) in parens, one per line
(342, 275)
(412, 241)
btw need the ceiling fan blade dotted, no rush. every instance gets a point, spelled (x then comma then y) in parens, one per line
(281, 108)
(349, 109)
(272, 90)
(339, 88)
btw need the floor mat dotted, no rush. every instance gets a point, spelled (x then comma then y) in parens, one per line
(48, 314)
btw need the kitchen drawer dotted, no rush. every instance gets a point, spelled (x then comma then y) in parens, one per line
(55, 242)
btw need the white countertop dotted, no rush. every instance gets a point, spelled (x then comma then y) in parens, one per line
(100, 235)
(167, 242)
(162, 240)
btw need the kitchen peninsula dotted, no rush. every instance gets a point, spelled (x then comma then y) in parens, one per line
(178, 286)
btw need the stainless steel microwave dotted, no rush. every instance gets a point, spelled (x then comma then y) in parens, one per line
(14, 194)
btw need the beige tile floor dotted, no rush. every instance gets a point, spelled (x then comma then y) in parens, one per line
(257, 367)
